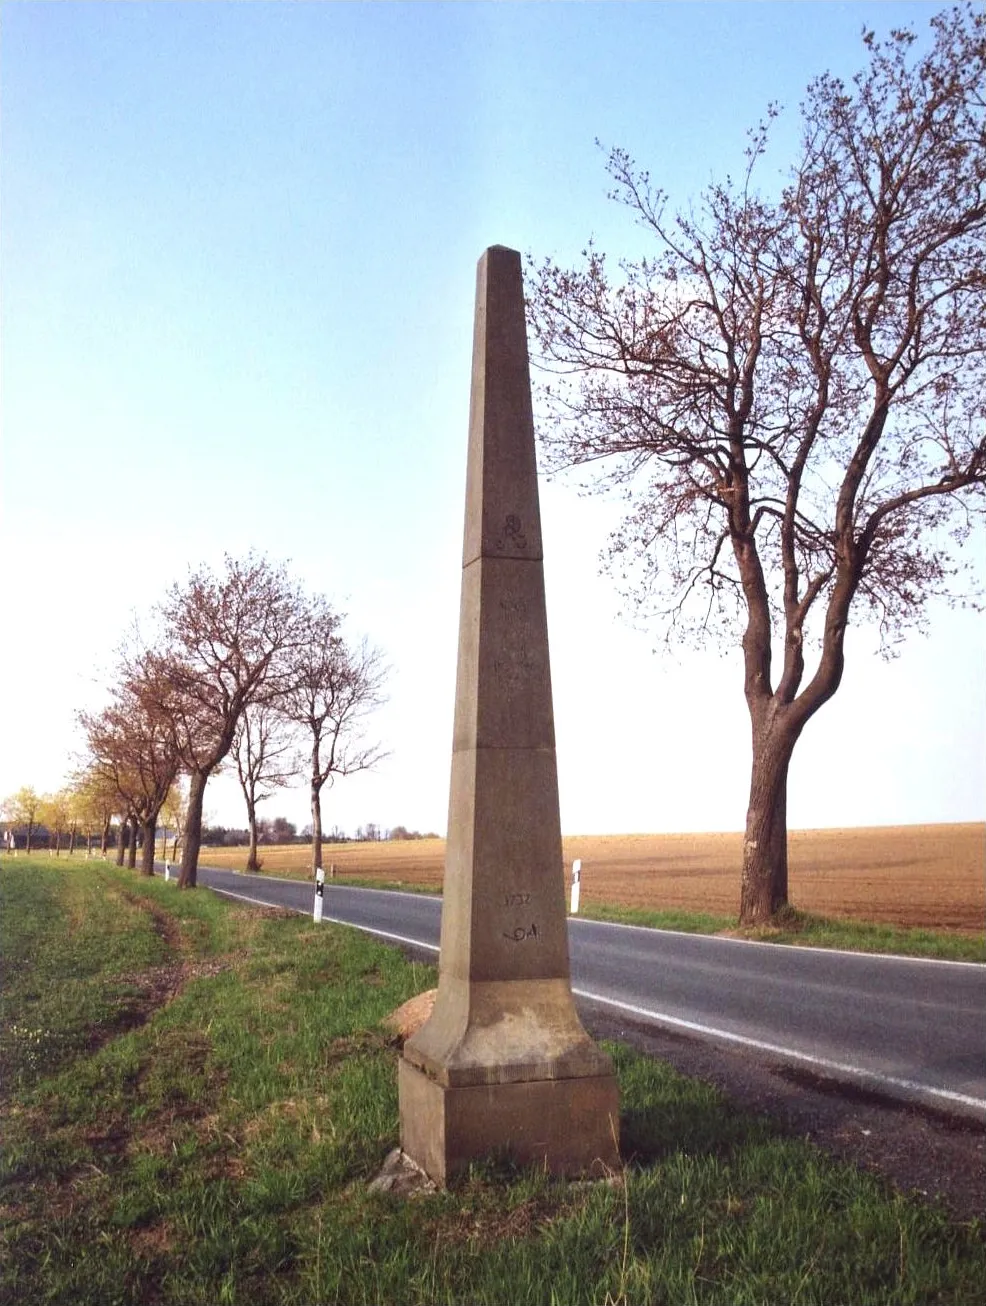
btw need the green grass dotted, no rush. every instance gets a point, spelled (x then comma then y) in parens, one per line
(689, 922)
(795, 927)
(395, 886)
(217, 1147)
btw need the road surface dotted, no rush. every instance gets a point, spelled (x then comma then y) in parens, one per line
(906, 1027)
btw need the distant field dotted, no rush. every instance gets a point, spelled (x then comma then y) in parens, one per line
(914, 876)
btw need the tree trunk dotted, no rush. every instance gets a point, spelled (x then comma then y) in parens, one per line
(149, 831)
(104, 843)
(252, 863)
(763, 890)
(122, 841)
(30, 831)
(193, 831)
(316, 828)
(132, 844)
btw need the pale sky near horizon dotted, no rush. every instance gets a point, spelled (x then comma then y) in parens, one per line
(238, 253)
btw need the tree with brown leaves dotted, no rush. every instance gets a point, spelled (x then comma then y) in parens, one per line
(97, 802)
(132, 748)
(790, 390)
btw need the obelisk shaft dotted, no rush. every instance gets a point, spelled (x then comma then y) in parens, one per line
(504, 839)
(504, 1018)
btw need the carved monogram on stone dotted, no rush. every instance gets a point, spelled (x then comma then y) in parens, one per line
(512, 536)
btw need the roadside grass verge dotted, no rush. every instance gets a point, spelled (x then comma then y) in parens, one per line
(791, 926)
(394, 886)
(215, 1143)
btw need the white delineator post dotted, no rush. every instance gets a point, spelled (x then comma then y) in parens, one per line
(319, 891)
(576, 884)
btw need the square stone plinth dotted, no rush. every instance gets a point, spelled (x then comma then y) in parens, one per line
(571, 1126)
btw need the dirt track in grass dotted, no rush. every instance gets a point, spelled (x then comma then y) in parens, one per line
(931, 876)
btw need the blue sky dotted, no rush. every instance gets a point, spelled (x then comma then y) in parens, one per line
(238, 253)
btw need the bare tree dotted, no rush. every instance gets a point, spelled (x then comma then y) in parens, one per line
(133, 748)
(226, 643)
(790, 392)
(173, 813)
(333, 688)
(266, 760)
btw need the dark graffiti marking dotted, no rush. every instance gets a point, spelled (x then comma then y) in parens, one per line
(522, 933)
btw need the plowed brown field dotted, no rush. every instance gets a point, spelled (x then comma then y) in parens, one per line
(911, 875)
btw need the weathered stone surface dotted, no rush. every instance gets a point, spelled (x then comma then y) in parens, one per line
(503, 1063)
(504, 1031)
(401, 1177)
(503, 645)
(569, 1126)
(503, 515)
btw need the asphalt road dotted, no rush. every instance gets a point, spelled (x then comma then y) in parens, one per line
(909, 1028)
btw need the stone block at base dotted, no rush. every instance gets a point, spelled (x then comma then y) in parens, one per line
(571, 1126)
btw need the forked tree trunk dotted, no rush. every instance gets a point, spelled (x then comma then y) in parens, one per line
(149, 833)
(763, 890)
(252, 862)
(132, 844)
(193, 831)
(121, 846)
(316, 827)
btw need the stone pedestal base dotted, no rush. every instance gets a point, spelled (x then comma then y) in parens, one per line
(571, 1126)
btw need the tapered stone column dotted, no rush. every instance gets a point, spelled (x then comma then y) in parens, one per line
(503, 1065)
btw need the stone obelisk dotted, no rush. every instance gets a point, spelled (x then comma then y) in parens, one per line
(503, 1065)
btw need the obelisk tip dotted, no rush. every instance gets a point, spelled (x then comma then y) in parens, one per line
(500, 249)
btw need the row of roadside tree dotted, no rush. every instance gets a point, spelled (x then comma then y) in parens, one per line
(242, 667)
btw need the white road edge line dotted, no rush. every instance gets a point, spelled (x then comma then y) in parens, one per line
(366, 929)
(384, 934)
(785, 947)
(579, 921)
(788, 1054)
(329, 884)
(258, 902)
(661, 1018)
